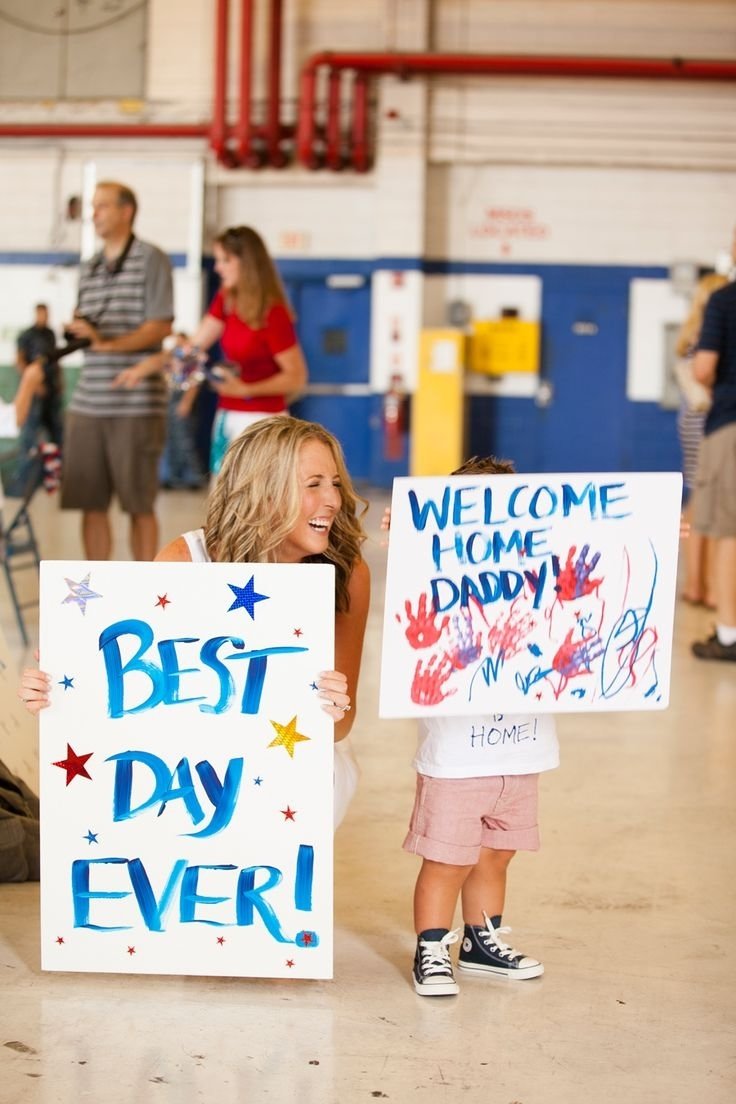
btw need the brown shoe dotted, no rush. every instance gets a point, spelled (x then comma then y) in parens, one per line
(713, 649)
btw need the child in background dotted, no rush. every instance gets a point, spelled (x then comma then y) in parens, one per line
(475, 807)
(180, 465)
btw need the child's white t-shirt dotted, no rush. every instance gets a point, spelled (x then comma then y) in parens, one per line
(487, 745)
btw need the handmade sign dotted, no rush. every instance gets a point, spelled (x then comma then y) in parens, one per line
(186, 769)
(534, 593)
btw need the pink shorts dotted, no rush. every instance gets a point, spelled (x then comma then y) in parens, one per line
(454, 817)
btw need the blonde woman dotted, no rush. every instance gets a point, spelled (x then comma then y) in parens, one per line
(284, 496)
(690, 422)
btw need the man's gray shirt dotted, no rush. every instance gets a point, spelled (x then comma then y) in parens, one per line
(118, 302)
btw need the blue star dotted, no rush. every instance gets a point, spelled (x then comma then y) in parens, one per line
(246, 597)
(257, 781)
(67, 683)
(91, 836)
(313, 686)
(80, 593)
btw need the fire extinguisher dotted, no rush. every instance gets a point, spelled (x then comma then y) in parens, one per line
(394, 418)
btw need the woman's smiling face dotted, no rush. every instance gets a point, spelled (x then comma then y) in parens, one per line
(321, 501)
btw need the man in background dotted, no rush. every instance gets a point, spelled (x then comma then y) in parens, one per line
(116, 423)
(714, 502)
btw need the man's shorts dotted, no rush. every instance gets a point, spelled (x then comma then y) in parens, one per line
(106, 456)
(453, 818)
(714, 497)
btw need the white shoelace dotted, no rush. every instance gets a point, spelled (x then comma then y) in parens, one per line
(490, 938)
(435, 954)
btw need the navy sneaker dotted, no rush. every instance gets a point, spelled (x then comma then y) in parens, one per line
(483, 952)
(432, 973)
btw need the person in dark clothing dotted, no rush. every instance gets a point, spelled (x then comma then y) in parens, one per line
(714, 505)
(45, 418)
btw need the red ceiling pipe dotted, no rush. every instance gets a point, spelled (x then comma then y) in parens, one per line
(406, 65)
(105, 130)
(306, 125)
(360, 154)
(218, 129)
(333, 135)
(243, 131)
(276, 156)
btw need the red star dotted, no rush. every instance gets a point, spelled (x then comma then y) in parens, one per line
(163, 601)
(307, 938)
(74, 764)
(289, 813)
(539, 697)
(60, 939)
(221, 940)
(131, 951)
(297, 632)
(290, 962)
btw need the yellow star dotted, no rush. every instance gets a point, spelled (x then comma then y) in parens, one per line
(287, 736)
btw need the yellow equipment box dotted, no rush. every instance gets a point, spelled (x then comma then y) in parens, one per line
(505, 345)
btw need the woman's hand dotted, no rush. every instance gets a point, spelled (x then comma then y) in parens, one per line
(34, 689)
(333, 692)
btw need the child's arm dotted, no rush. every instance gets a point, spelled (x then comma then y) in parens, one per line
(31, 384)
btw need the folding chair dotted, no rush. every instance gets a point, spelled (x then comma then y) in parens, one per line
(18, 545)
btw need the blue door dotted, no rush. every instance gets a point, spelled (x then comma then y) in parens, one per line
(334, 330)
(580, 426)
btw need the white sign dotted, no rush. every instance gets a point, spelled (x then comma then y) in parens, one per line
(524, 593)
(186, 769)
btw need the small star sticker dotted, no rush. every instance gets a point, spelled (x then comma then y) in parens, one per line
(163, 601)
(74, 764)
(287, 736)
(539, 697)
(67, 683)
(221, 940)
(306, 938)
(257, 781)
(289, 813)
(313, 686)
(246, 597)
(60, 939)
(91, 836)
(290, 962)
(131, 951)
(80, 593)
(297, 632)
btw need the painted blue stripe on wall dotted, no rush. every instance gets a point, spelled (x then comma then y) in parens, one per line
(65, 260)
(317, 268)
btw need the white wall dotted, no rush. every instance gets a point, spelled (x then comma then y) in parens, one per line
(578, 215)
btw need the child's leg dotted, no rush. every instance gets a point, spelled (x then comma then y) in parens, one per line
(435, 894)
(484, 890)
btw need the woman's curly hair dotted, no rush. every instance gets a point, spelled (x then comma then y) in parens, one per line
(257, 499)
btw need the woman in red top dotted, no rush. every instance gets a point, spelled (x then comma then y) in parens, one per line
(251, 319)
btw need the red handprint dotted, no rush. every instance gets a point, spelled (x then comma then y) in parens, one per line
(574, 580)
(421, 631)
(428, 685)
(508, 633)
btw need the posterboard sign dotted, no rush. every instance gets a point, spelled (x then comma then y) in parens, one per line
(530, 593)
(186, 769)
(18, 737)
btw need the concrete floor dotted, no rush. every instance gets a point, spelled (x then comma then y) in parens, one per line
(630, 904)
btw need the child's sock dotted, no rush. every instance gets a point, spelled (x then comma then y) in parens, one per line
(433, 935)
(726, 634)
